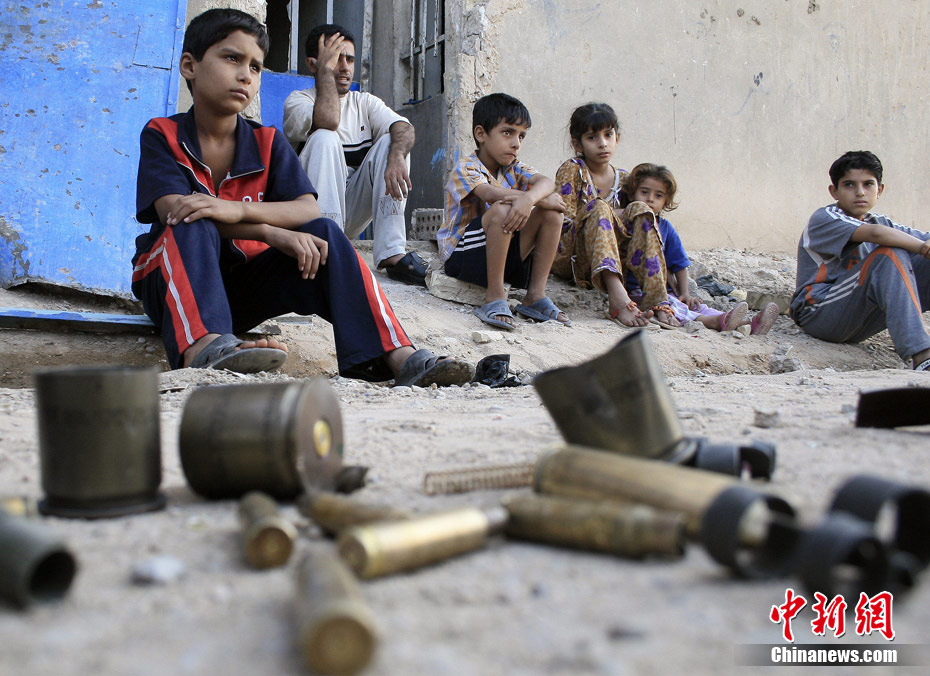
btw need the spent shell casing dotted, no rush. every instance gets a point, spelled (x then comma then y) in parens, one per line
(334, 513)
(603, 526)
(751, 532)
(335, 628)
(573, 471)
(267, 537)
(35, 565)
(19, 505)
(380, 549)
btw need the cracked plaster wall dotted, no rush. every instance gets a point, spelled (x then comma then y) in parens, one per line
(194, 7)
(747, 101)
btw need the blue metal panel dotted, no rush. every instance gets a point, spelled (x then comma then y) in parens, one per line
(80, 80)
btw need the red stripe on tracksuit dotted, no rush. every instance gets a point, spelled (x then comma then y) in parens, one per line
(888, 251)
(185, 316)
(389, 329)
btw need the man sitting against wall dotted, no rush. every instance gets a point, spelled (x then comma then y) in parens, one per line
(354, 149)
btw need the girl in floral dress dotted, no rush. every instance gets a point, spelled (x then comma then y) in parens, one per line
(650, 190)
(593, 236)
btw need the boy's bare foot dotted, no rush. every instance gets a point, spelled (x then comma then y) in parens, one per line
(190, 354)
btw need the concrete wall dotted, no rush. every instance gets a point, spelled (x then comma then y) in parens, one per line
(747, 101)
(194, 7)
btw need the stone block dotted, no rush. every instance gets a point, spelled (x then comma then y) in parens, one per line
(449, 288)
(759, 299)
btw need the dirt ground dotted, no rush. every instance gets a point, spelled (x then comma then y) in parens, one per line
(511, 608)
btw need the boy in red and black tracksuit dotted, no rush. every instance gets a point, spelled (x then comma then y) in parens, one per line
(236, 233)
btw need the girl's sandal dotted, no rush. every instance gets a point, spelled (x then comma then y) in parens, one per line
(615, 315)
(667, 309)
(764, 320)
(735, 317)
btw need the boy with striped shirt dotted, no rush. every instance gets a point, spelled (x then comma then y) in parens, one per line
(502, 219)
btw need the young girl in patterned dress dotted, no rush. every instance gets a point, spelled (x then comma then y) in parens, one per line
(592, 233)
(650, 190)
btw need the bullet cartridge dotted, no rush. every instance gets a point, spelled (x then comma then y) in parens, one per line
(35, 566)
(334, 513)
(275, 438)
(380, 549)
(335, 629)
(19, 505)
(604, 526)
(267, 537)
(751, 532)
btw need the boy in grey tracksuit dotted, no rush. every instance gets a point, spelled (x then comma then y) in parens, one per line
(859, 272)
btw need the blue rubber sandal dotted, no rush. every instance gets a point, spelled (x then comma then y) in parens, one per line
(222, 354)
(489, 311)
(543, 310)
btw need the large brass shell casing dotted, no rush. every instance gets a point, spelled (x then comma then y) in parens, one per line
(275, 438)
(576, 472)
(604, 526)
(621, 390)
(335, 629)
(267, 537)
(391, 547)
(99, 441)
(35, 566)
(751, 532)
(334, 513)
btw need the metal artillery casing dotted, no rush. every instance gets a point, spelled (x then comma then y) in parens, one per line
(275, 438)
(604, 526)
(391, 547)
(335, 628)
(334, 513)
(751, 532)
(618, 402)
(267, 537)
(573, 471)
(34, 563)
(99, 441)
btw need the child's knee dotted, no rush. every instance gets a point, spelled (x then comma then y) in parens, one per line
(495, 216)
(550, 220)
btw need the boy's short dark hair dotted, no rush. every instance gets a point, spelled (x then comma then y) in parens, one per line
(855, 159)
(491, 110)
(312, 46)
(215, 25)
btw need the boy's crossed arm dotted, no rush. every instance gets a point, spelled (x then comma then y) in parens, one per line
(884, 235)
(273, 223)
(541, 193)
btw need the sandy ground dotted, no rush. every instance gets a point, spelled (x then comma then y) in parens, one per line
(511, 608)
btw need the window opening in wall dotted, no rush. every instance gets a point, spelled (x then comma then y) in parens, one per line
(426, 57)
(289, 22)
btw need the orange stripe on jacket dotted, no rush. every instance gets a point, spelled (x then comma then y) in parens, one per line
(821, 275)
(185, 315)
(888, 251)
